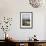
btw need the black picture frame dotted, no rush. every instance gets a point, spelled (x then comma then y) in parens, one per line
(26, 20)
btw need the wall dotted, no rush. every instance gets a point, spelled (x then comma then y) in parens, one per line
(12, 8)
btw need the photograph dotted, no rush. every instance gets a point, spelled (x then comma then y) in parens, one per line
(26, 20)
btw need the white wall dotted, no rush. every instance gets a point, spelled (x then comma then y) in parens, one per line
(12, 8)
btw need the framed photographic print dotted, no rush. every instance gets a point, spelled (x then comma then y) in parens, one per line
(26, 20)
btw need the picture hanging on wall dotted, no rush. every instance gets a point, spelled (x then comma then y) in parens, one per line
(26, 20)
